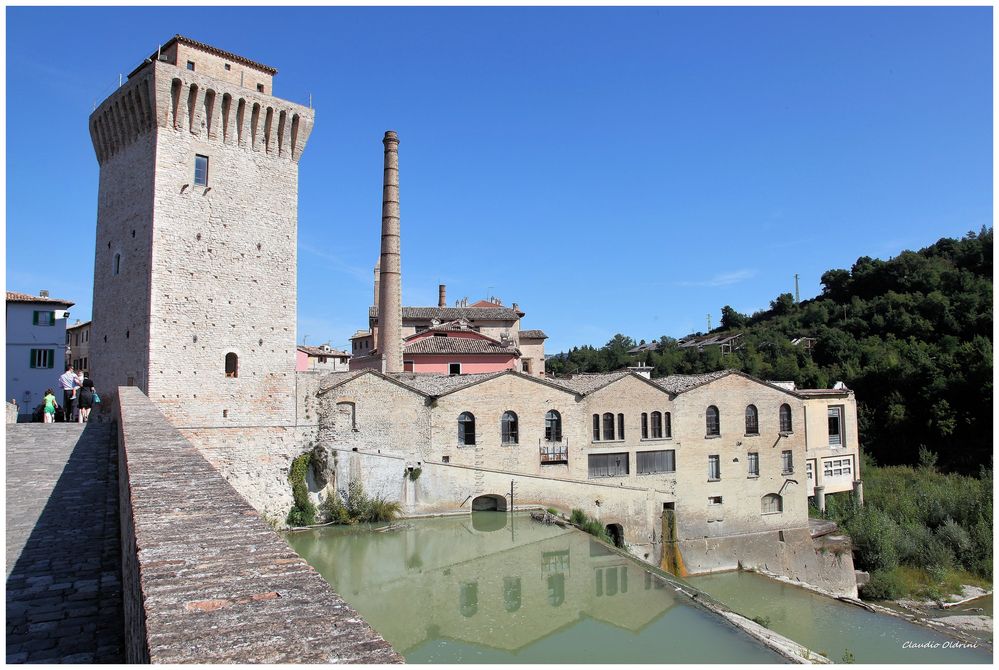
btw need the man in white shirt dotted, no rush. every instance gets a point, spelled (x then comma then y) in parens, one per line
(68, 382)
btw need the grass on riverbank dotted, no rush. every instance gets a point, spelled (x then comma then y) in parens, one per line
(921, 532)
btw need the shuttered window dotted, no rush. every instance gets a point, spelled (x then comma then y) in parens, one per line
(608, 465)
(651, 462)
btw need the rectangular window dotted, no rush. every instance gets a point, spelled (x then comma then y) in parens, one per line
(596, 427)
(620, 426)
(200, 170)
(651, 462)
(645, 426)
(714, 468)
(454, 368)
(608, 465)
(754, 465)
(43, 318)
(835, 426)
(786, 462)
(227, 66)
(42, 358)
(190, 65)
(837, 467)
(810, 471)
(715, 500)
(260, 87)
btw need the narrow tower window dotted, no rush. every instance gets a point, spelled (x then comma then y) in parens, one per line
(200, 170)
(116, 267)
(231, 365)
(190, 65)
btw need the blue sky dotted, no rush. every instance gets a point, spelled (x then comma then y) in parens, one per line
(610, 170)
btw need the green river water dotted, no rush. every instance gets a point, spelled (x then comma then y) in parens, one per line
(486, 588)
(491, 588)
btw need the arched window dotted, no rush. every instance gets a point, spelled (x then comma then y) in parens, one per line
(608, 426)
(667, 425)
(712, 420)
(620, 426)
(466, 428)
(645, 426)
(657, 425)
(785, 419)
(553, 426)
(508, 424)
(596, 427)
(771, 503)
(231, 365)
(752, 420)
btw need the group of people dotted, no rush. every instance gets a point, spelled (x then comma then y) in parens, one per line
(78, 398)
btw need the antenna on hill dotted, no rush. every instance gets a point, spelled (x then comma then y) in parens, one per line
(709, 323)
(797, 297)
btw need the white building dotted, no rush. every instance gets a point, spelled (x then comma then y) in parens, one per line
(36, 347)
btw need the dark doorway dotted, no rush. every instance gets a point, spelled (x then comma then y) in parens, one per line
(616, 533)
(489, 503)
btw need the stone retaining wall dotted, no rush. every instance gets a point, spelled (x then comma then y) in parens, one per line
(205, 580)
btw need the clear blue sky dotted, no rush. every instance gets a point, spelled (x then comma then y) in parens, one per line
(610, 170)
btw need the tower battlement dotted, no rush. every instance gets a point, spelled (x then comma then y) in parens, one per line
(163, 96)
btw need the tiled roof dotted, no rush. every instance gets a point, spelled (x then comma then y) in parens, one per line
(319, 351)
(437, 385)
(588, 383)
(533, 335)
(13, 296)
(819, 393)
(443, 314)
(360, 333)
(679, 383)
(212, 50)
(456, 326)
(708, 340)
(459, 345)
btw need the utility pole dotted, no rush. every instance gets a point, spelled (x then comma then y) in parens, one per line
(709, 323)
(797, 297)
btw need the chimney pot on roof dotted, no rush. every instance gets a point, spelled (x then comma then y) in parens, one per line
(43, 293)
(515, 307)
(441, 295)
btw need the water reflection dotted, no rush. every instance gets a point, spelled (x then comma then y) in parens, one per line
(533, 595)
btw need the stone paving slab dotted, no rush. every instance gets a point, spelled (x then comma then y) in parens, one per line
(64, 600)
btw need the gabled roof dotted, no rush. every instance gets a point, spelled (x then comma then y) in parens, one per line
(210, 49)
(585, 384)
(81, 324)
(677, 384)
(319, 351)
(14, 296)
(494, 313)
(456, 326)
(430, 385)
(459, 345)
(532, 335)
(708, 340)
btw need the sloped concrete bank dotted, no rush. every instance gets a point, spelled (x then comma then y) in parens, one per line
(205, 579)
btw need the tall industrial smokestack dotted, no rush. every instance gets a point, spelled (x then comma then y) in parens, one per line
(390, 284)
(442, 295)
(378, 272)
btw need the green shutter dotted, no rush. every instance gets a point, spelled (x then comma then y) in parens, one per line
(34, 318)
(31, 357)
(51, 358)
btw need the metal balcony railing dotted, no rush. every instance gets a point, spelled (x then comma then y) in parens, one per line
(554, 452)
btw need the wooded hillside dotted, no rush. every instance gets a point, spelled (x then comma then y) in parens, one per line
(911, 335)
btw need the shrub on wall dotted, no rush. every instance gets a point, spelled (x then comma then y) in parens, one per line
(356, 506)
(303, 512)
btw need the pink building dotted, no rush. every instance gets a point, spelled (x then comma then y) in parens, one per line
(321, 359)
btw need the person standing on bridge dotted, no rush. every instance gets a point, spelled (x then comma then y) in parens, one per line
(48, 412)
(68, 382)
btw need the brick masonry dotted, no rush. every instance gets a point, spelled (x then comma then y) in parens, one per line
(211, 581)
(64, 602)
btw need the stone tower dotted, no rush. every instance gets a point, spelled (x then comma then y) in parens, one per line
(197, 215)
(390, 268)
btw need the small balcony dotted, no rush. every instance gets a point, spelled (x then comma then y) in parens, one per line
(554, 452)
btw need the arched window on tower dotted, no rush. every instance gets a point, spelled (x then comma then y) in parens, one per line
(231, 365)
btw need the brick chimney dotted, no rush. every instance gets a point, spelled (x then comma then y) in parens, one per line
(390, 284)
(441, 295)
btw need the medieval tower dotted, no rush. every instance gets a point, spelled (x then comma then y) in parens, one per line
(195, 267)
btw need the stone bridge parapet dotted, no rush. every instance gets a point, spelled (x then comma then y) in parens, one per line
(205, 580)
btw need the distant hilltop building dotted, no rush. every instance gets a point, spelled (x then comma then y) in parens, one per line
(727, 342)
(197, 215)
(478, 338)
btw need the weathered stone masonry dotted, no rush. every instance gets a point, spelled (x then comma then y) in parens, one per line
(205, 579)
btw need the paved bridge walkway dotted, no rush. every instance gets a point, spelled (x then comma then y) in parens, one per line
(64, 601)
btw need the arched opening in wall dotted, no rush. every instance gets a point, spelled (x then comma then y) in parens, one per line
(209, 109)
(240, 113)
(231, 365)
(616, 532)
(192, 102)
(174, 102)
(771, 503)
(226, 109)
(489, 503)
(282, 117)
(346, 415)
(294, 134)
(785, 419)
(254, 120)
(468, 598)
(553, 426)
(268, 124)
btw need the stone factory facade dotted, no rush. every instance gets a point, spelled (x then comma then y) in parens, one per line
(197, 214)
